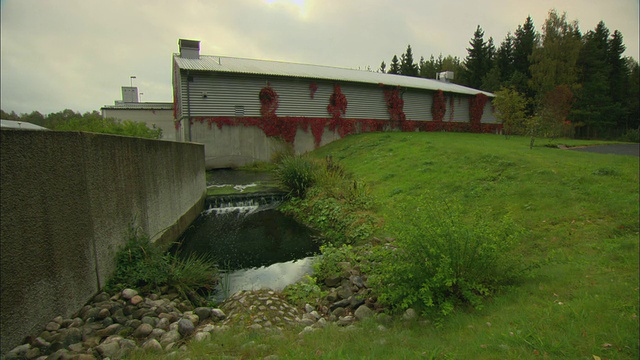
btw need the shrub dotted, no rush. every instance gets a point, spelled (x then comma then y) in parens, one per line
(143, 266)
(305, 291)
(297, 174)
(631, 135)
(442, 259)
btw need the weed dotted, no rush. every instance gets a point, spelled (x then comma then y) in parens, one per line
(142, 265)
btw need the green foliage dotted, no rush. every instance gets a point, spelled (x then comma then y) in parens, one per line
(296, 174)
(510, 109)
(631, 135)
(337, 205)
(306, 291)
(141, 265)
(69, 120)
(328, 266)
(445, 258)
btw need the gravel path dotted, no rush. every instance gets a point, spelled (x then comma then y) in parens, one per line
(618, 149)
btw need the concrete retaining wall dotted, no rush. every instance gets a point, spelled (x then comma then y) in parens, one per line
(68, 201)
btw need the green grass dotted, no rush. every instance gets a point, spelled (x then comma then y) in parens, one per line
(580, 212)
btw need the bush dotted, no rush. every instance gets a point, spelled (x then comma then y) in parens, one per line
(442, 259)
(143, 266)
(305, 291)
(297, 174)
(631, 135)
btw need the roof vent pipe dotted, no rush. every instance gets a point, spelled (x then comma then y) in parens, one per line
(189, 49)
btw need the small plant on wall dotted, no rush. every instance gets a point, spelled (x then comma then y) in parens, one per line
(268, 102)
(395, 104)
(337, 103)
(439, 106)
(476, 107)
(313, 87)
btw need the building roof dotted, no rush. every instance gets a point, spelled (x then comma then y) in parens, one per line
(12, 124)
(139, 106)
(320, 72)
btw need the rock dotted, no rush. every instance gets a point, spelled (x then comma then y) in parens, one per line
(339, 311)
(156, 333)
(142, 331)
(108, 349)
(203, 312)
(19, 351)
(83, 357)
(321, 323)
(357, 281)
(169, 337)
(410, 314)
(344, 292)
(306, 330)
(103, 314)
(70, 336)
(152, 345)
(333, 281)
(363, 312)
(52, 326)
(136, 300)
(218, 314)
(77, 347)
(355, 301)
(307, 321)
(342, 303)
(345, 320)
(255, 327)
(202, 336)
(103, 296)
(127, 294)
(185, 327)
(148, 320)
(40, 343)
(191, 317)
(308, 308)
(109, 330)
(163, 324)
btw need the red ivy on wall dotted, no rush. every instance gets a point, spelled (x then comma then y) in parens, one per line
(313, 87)
(439, 107)
(476, 108)
(337, 103)
(451, 105)
(395, 104)
(268, 102)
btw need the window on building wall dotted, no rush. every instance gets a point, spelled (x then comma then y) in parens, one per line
(239, 110)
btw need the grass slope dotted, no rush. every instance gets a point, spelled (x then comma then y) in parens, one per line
(580, 211)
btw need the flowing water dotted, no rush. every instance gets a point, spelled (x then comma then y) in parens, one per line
(254, 245)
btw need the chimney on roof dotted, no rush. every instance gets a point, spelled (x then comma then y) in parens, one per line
(189, 49)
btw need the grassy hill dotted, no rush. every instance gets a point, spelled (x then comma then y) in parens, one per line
(580, 215)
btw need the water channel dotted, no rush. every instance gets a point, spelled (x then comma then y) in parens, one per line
(254, 245)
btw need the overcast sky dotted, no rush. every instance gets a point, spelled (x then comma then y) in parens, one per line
(77, 54)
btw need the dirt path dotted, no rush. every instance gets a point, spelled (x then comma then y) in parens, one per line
(619, 149)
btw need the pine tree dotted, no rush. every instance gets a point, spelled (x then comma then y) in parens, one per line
(618, 76)
(504, 59)
(383, 67)
(479, 59)
(394, 68)
(407, 66)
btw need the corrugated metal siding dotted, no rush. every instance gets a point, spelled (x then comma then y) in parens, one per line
(363, 102)
(488, 114)
(417, 104)
(460, 108)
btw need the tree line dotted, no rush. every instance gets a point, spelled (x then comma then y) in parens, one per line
(69, 120)
(582, 81)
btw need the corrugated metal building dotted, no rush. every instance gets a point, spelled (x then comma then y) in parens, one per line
(215, 87)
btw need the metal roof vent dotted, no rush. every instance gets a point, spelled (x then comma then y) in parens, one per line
(189, 49)
(445, 76)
